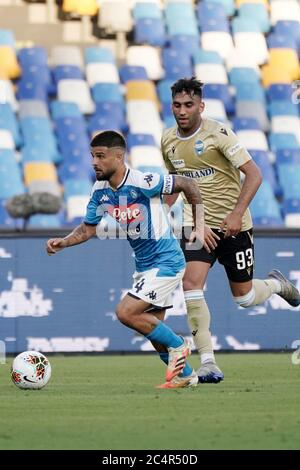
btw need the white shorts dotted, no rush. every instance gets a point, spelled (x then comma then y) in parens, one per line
(156, 290)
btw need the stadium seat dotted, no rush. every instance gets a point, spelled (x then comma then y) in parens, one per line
(141, 90)
(9, 67)
(115, 16)
(220, 42)
(40, 186)
(229, 5)
(96, 54)
(279, 91)
(6, 221)
(76, 207)
(7, 94)
(262, 159)
(288, 156)
(285, 59)
(34, 55)
(76, 91)
(239, 75)
(253, 139)
(220, 92)
(134, 140)
(240, 124)
(289, 176)
(35, 171)
(33, 108)
(201, 56)
(107, 92)
(280, 12)
(40, 221)
(276, 41)
(187, 43)
(256, 12)
(131, 72)
(211, 73)
(264, 204)
(63, 72)
(280, 141)
(61, 109)
(145, 155)
(291, 210)
(82, 8)
(66, 55)
(146, 9)
(77, 187)
(253, 46)
(215, 109)
(148, 57)
(149, 31)
(101, 73)
(253, 109)
(7, 38)
(272, 75)
(8, 121)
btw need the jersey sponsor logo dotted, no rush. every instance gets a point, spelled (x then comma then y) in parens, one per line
(126, 214)
(234, 149)
(168, 185)
(223, 131)
(199, 147)
(178, 163)
(199, 173)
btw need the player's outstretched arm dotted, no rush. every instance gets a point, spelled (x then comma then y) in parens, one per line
(80, 234)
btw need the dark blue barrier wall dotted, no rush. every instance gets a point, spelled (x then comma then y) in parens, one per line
(66, 302)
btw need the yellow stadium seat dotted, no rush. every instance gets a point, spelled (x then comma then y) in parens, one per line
(263, 2)
(286, 59)
(39, 171)
(141, 90)
(272, 75)
(9, 67)
(81, 7)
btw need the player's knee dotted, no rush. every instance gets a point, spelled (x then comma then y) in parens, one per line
(189, 284)
(245, 300)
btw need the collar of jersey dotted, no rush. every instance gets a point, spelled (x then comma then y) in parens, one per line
(190, 136)
(123, 180)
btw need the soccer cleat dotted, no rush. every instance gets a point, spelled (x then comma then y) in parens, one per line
(289, 292)
(210, 373)
(177, 360)
(181, 382)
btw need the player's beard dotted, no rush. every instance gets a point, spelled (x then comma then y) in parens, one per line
(104, 176)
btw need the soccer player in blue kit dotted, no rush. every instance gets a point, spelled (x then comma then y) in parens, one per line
(134, 199)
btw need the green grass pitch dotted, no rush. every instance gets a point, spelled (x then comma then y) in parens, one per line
(109, 402)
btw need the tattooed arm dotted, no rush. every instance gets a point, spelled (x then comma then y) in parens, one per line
(80, 234)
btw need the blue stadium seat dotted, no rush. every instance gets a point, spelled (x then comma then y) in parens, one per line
(240, 124)
(186, 43)
(258, 13)
(33, 56)
(276, 41)
(9, 121)
(238, 75)
(10, 175)
(264, 203)
(164, 90)
(44, 221)
(261, 158)
(267, 221)
(103, 123)
(280, 91)
(6, 221)
(77, 169)
(146, 9)
(38, 74)
(149, 31)
(37, 153)
(112, 109)
(32, 89)
(291, 206)
(229, 5)
(77, 187)
(98, 54)
(289, 28)
(65, 72)
(289, 177)
(288, 156)
(243, 25)
(283, 108)
(61, 109)
(210, 10)
(132, 72)
(219, 92)
(176, 64)
(280, 141)
(202, 56)
(250, 92)
(140, 139)
(107, 92)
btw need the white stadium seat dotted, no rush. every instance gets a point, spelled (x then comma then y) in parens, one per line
(6, 140)
(145, 155)
(253, 46)
(101, 73)
(7, 94)
(215, 109)
(253, 139)
(148, 57)
(218, 41)
(211, 73)
(284, 10)
(76, 91)
(76, 206)
(66, 55)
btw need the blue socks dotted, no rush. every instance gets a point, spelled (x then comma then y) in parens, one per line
(164, 335)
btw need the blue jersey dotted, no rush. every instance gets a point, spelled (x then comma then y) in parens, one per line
(137, 206)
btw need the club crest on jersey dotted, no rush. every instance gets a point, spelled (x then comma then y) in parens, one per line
(199, 147)
(133, 194)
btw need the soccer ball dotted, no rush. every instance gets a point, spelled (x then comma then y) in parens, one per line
(30, 370)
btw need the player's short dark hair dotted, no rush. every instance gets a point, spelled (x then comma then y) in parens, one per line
(191, 86)
(108, 139)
